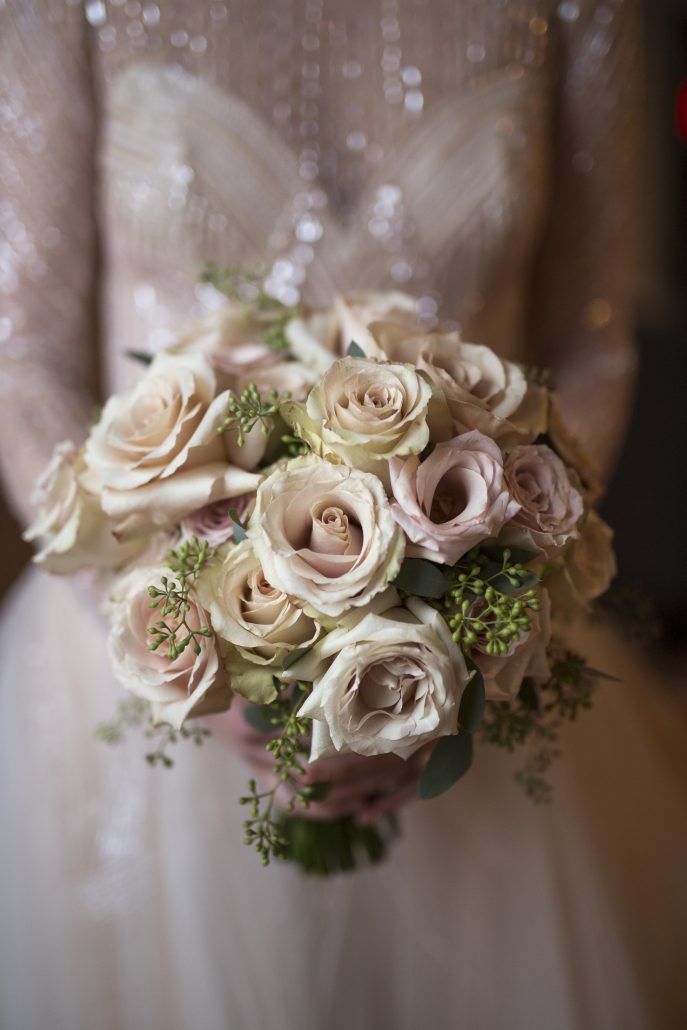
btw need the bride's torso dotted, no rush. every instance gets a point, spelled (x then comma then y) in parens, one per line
(338, 145)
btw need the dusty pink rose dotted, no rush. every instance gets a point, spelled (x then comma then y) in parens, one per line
(550, 506)
(214, 523)
(503, 675)
(453, 499)
(192, 684)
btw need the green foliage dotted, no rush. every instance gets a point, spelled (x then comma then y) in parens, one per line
(421, 578)
(249, 410)
(535, 718)
(539, 376)
(239, 532)
(142, 356)
(264, 828)
(450, 759)
(355, 350)
(324, 847)
(134, 713)
(172, 597)
(489, 601)
(473, 702)
(294, 446)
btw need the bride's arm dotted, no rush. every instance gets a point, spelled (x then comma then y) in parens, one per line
(584, 288)
(47, 251)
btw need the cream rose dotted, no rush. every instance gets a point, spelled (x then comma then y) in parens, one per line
(527, 656)
(190, 685)
(388, 684)
(324, 534)
(364, 412)
(156, 454)
(260, 620)
(482, 390)
(319, 337)
(550, 506)
(589, 568)
(72, 529)
(453, 499)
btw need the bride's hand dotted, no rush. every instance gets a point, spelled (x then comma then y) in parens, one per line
(367, 788)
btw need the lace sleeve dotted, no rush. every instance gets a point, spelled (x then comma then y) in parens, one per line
(47, 249)
(582, 302)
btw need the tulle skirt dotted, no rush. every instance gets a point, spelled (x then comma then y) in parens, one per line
(128, 899)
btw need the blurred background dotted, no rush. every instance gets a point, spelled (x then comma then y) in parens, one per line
(647, 486)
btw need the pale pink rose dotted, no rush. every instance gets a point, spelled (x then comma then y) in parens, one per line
(214, 523)
(230, 338)
(190, 685)
(572, 452)
(324, 534)
(453, 499)
(550, 506)
(527, 656)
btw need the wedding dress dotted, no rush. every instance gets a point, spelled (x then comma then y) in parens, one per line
(479, 155)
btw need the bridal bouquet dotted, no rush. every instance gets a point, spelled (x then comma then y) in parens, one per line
(365, 529)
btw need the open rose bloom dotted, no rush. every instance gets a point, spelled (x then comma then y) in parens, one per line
(340, 515)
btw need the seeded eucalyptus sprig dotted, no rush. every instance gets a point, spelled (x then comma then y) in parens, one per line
(246, 286)
(263, 828)
(172, 598)
(133, 713)
(251, 408)
(489, 601)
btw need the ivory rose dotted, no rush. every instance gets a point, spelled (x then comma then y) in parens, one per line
(388, 684)
(260, 620)
(319, 337)
(482, 390)
(190, 685)
(527, 656)
(363, 412)
(324, 534)
(589, 569)
(453, 499)
(550, 506)
(71, 527)
(156, 455)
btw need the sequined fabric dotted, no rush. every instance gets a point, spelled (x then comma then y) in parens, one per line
(479, 155)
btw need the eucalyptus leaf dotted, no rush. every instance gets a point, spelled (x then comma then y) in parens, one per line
(355, 350)
(450, 759)
(421, 578)
(139, 355)
(473, 702)
(258, 716)
(294, 656)
(598, 674)
(239, 531)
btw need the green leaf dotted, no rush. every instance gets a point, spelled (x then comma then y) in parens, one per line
(599, 675)
(260, 718)
(473, 702)
(450, 759)
(254, 682)
(518, 555)
(294, 656)
(139, 355)
(504, 585)
(355, 350)
(421, 578)
(239, 530)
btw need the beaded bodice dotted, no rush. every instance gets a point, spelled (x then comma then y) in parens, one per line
(476, 154)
